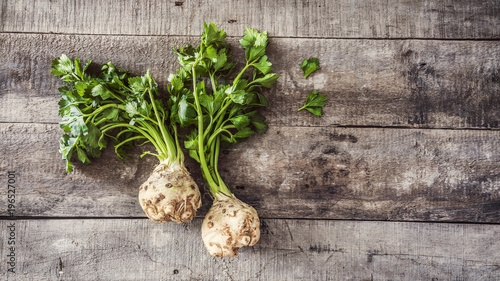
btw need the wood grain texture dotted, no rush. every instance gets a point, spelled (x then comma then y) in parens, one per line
(315, 18)
(290, 172)
(288, 250)
(412, 83)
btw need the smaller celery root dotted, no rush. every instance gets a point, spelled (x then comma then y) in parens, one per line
(229, 225)
(170, 194)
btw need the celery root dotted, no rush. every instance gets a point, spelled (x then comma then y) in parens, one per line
(170, 194)
(229, 225)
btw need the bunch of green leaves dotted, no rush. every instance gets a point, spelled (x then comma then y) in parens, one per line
(220, 110)
(109, 105)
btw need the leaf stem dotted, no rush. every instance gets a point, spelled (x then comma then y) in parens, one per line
(201, 151)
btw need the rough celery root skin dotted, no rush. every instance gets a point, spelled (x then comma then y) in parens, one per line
(170, 194)
(229, 225)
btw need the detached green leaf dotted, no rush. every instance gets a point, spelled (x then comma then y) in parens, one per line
(309, 66)
(314, 103)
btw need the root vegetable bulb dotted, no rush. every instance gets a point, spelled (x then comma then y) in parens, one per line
(229, 225)
(170, 194)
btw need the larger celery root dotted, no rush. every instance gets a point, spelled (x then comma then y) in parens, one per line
(229, 225)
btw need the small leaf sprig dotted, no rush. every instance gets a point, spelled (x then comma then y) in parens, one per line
(309, 66)
(315, 103)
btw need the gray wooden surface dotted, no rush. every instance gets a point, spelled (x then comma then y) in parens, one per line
(399, 180)
(300, 172)
(139, 249)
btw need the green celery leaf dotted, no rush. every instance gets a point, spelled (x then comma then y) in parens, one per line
(78, 68)
(212, 35)
(314, 103)
(309, 66)
(262, 100)
(227, 139)
(82, 156)
(93, 152)
(81, 87)
(131, 107)
(102, 91)
(66, 147)
(112, 114)
(176, 82)
(220, 62)
(62, 66)
(191, 141)
(259, 122)
(146, 108)
(138, 84)
(240, 121)
(211, 52)
(87, 65)
(91, 139)
(69, 167)
(263, 65)
(75, 125)
(254, 43)
(209, 103)
(241, 97)
(315, 110)
(268, 80)
(194, 154)
(235, 110)
(245, 133)
(187, 112)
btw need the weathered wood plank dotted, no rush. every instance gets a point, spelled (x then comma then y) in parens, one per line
(290, 172)
(430, 84)
(324, 19)
(288, 250)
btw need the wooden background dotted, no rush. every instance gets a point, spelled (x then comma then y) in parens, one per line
(399, 180)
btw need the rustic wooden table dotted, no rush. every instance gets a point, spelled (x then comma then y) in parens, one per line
(399, 180)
